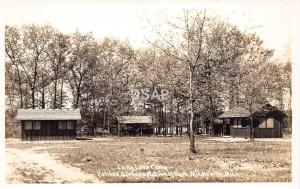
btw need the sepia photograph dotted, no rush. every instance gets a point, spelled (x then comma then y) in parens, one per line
(140, 92)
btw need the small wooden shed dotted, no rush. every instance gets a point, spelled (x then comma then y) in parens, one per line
(135, 125)
(48, 124)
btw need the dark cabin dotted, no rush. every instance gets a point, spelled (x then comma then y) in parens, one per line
(48, 124)
(267, 122)
(135, 125)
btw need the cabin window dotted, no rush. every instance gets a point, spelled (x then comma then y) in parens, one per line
(70, 125)
(237, 123)
(62, 125)
(270, 123)
(36, 125)
(262, 123)
(245, 122)
(28, 125)
(266, 123)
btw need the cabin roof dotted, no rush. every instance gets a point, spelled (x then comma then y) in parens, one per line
(236, 112)
(268, 110)
(135, 119)
(48, 114)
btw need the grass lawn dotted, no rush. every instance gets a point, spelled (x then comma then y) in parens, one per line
(159, 159)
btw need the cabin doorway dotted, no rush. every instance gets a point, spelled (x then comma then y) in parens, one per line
(227, 130)
(49, 128)
(226, 127)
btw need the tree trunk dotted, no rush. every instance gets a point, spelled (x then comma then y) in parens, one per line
(43, 98)
(171, 122)
(94, 112)
(20, 87)
(251, 123)
(61, 93)
(104, 113)
(55, 94)
(177, 118)
(109, 107)
(192, 139)
(34, 82)
(108, 114)
(252, 129)
(32, 99)
(21, 95)
(77, 97)
(165, 119)
(180, 130)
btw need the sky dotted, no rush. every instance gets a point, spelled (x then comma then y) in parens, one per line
(273, 21)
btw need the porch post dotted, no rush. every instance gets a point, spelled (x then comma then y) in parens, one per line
(251, 128)
(153, 130)
(119, 133)
(223, 128)
(22, 127)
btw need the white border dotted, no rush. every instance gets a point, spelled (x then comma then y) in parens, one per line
(166, 4)
(2, 98)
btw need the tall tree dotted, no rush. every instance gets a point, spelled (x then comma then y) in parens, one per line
(57, 53)
(116, 57)
(188, 49)
(80, 63)
(35, 40)
(14, 50)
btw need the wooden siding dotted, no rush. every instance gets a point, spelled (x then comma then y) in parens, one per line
(49, 131)
(243, 132)
(275, 132)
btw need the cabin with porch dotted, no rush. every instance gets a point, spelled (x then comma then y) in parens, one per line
(267, 122)
(135, 125)
(236, 122)
(48, 124)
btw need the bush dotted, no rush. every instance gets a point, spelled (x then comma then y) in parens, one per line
(12, 127)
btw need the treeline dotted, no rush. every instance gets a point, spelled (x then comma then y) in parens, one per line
(204, 63)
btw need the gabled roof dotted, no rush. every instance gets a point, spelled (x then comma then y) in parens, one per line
(48, 114)
(267, 110)
(134, 119)
(236, 112)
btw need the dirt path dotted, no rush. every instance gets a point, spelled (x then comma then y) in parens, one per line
(27, 166)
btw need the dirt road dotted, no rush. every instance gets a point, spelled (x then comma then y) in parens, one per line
(27, 166)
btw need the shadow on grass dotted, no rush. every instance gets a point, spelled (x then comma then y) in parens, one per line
(83, 138)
